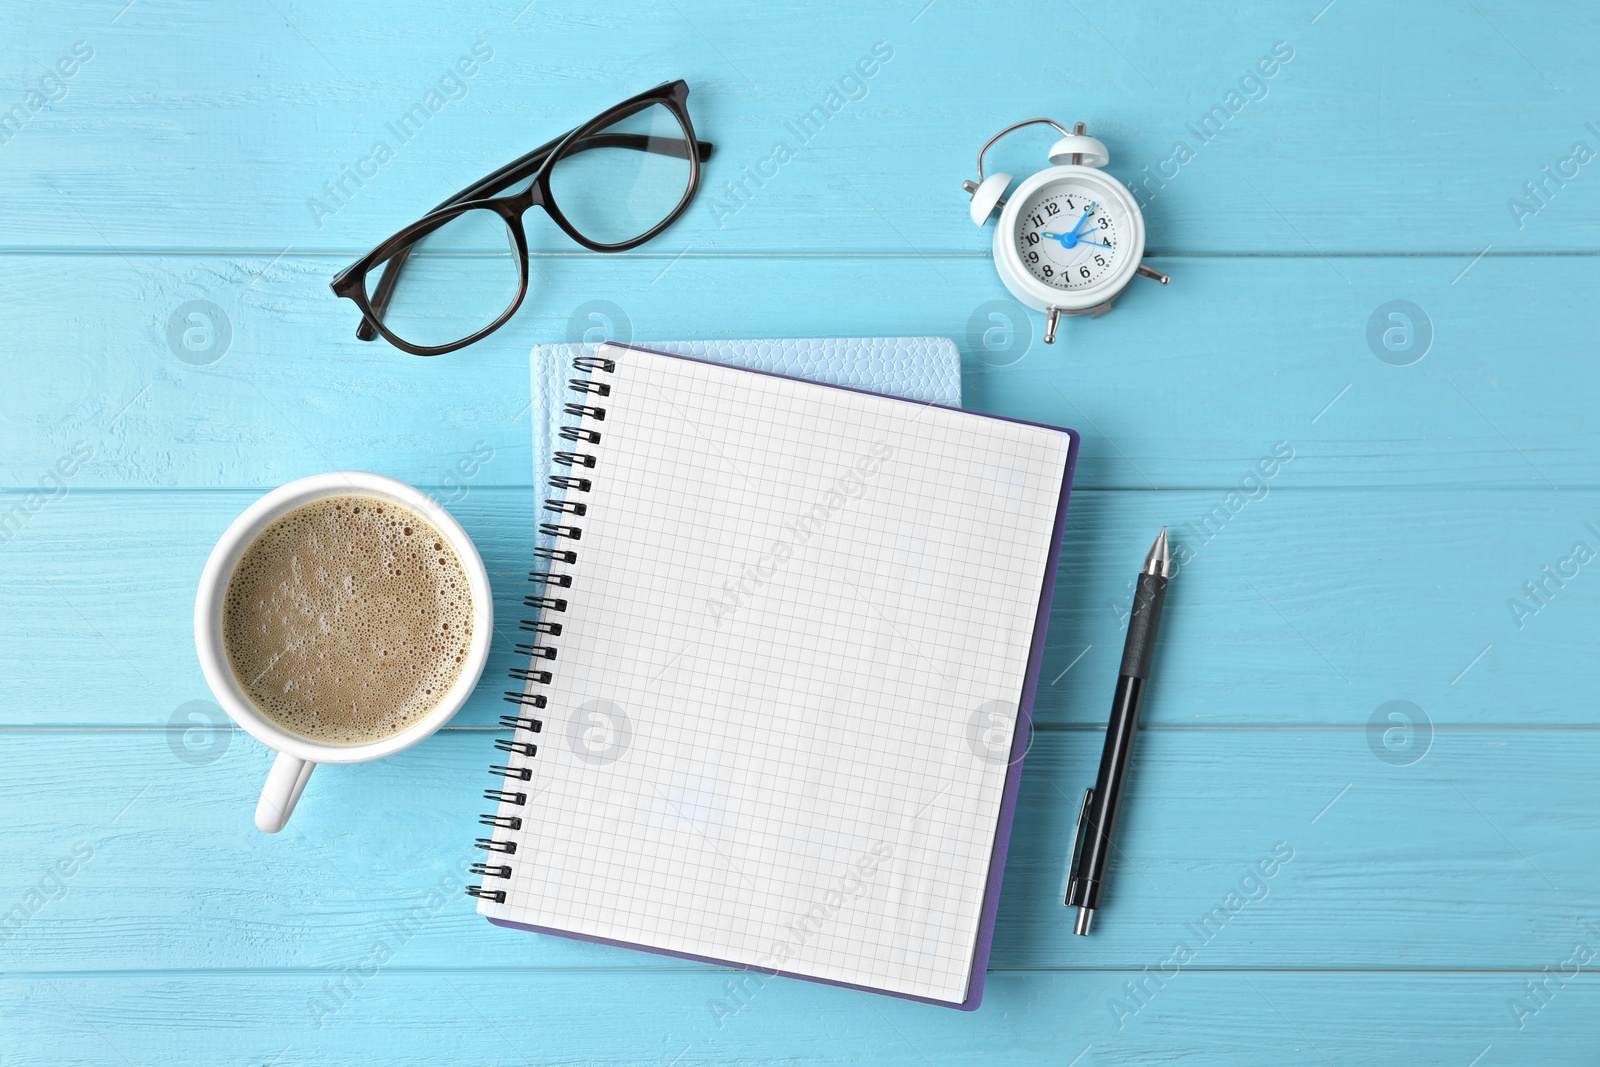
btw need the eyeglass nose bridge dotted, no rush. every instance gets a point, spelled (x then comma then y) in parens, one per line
(514, 206)
(514, 209)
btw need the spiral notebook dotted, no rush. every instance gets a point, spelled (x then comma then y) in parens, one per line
(780, 675)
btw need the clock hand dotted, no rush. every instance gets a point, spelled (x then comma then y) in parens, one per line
(1072, 240)
(1076, 230)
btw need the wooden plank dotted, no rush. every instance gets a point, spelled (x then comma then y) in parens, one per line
(1270, 623)
(1395, 147)
(1306, 850)
(1373, 98)
(1184, 387)
(1236, 1020)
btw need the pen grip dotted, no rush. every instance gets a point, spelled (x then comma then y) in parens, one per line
(1148, 594)
(1100, 809)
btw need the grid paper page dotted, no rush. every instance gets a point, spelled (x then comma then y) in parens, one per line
(783, 699)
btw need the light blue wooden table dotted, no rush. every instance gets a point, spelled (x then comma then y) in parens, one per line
(1442, 903)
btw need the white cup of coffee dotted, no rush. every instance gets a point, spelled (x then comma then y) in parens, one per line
(342, 618)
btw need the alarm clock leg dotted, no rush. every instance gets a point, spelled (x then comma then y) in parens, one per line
(1052, 315)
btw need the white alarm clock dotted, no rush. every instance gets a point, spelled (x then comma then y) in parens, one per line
(1071, 237)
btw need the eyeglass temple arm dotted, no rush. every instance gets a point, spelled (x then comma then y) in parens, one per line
(518, 170)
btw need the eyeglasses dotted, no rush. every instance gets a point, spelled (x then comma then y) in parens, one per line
(611, 184)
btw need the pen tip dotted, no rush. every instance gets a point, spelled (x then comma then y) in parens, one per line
(1159, 559)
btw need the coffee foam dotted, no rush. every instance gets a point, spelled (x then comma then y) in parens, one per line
(348, 619)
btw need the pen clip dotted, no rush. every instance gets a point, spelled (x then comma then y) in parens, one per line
(1077, 844)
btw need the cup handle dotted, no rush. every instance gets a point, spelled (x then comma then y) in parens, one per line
(285, 782)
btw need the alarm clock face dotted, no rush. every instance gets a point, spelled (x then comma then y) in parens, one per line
(1071, 235)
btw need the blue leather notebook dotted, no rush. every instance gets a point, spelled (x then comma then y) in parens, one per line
(917, 368)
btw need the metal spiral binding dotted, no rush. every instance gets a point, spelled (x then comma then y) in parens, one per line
(521, 724)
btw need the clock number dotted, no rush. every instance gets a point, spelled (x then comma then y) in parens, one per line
(1047, 271)
(1031, 237)
(1037, 220)
(1033, 257)
(1103, 222)
(1084, 271)
(1052, 209)
(1099, 261)
(1069, 204)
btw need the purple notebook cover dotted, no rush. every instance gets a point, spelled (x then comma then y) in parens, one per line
(1020, 739)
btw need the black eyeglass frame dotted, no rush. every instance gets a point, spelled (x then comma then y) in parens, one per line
(392, 253)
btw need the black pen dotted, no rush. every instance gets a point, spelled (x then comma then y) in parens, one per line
(1092, 839)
